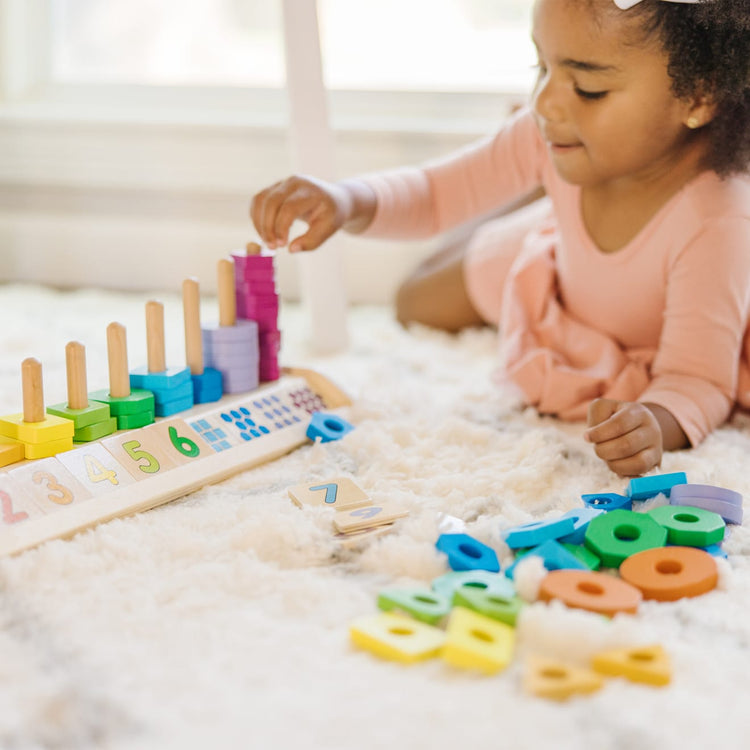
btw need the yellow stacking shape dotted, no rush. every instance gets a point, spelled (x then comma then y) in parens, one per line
(395, 636)
(42, 434)
(649, 664)
(551, 678)
(474, 641)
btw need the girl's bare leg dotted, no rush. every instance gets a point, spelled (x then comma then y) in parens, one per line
(435, 293)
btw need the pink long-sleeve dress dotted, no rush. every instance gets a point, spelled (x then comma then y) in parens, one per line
(662, 320)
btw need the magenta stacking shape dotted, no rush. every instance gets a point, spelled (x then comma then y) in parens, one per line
(257, 300)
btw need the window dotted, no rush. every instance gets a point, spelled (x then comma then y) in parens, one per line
(417, 45)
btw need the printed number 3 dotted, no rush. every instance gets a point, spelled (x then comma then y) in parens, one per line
(64, 498)
(132, 449)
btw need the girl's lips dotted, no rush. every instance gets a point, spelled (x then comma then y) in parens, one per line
(564, 147)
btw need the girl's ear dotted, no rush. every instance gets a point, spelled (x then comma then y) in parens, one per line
(700, 111)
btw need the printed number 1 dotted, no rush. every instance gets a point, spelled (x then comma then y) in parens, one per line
(331, 492)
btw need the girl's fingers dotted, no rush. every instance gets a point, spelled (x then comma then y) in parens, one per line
(627, 418)
(635, 466)
(624, 446)
(296, 206)
(318, 231)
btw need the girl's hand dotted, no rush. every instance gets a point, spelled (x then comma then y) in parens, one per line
(324, 206)
(625, 434)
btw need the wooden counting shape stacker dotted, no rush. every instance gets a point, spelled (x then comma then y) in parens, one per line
(133, 408)
(91, 419)
(138, 469)
(207, 381)
(231, 347)
(41, 434)
(172, 387)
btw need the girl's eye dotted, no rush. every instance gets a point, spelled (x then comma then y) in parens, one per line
(590, 95)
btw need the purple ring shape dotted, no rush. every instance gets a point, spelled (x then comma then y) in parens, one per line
(707, 491)
(730, 512)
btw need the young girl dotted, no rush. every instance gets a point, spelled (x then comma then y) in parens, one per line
(623, 295)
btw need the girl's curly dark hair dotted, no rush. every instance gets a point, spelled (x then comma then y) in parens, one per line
(708, 45)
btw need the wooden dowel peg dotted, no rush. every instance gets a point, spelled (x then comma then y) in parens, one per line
(117, 351)
(156, 357)
(252, 248)
(33, 392)
(192, 314)
(75, 363)
(227, 298)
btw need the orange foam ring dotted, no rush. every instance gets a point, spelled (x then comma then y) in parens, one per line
(670, 573)
(596, 592)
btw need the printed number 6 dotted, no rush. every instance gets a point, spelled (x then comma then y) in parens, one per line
(132, 449)
(184, 445)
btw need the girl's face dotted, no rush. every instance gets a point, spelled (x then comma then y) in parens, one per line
(603, 100)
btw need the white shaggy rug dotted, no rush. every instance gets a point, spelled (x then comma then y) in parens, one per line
(220, 620)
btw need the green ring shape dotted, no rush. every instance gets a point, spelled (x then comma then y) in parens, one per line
(616, 535)
(688, 526)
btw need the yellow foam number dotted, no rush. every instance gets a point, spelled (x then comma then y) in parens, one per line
(134, 450)
(96, 472)
(65, 496)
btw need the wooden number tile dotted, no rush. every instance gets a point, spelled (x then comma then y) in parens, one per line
(180, 441)
(140, 453)
(367, 517)
(16, 505)
(95, 468)
(338, 493)
(50, 484)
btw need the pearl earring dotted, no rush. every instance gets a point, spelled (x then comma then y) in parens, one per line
(693, 122)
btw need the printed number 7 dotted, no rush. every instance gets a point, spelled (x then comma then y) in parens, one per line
(331, 492)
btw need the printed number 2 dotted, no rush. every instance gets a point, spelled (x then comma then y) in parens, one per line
(132, 449)
(331, 492)
(9, 516)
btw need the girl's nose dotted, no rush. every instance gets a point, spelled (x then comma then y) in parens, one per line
(545, 101)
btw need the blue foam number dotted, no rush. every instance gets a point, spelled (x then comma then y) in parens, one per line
(331, 491)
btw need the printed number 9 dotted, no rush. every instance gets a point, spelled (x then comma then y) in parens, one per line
(184, 445)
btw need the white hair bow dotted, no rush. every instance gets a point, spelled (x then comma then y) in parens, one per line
(625, 4)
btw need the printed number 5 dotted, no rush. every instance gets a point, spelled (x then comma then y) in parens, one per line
(132, 449)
